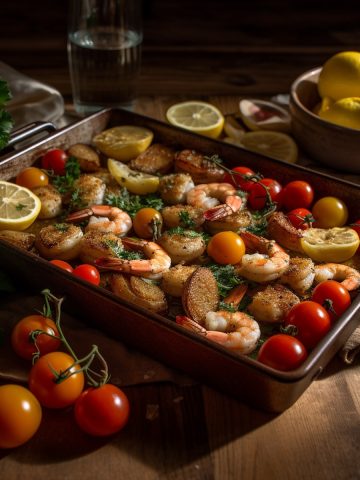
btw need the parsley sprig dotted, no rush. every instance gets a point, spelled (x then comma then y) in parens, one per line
(133, 203)
(226, 278)
(6, 121)
(65, 183)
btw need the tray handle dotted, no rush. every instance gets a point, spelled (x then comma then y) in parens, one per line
(28, 131)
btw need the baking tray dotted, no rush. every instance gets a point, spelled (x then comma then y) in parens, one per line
(160, 337)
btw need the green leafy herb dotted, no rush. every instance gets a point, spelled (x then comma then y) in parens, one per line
(61, 227)
(185, 219)
(6, 121)
(64, 183)
(133, 203)
(226, 278)
(228, 307)
(184, 231)
(20, 206)
(118, 251)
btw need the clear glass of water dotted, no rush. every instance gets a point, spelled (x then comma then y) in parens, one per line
(104, 51)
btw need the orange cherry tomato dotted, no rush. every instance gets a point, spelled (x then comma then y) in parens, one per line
(226, 248)
(25, 346)
(146, 222)
(20, 415)
(32, 177)
(46, 383)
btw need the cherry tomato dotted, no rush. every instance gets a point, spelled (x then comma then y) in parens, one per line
(311, 320)
(330, 212)
(24, 345)
(20, 415)
(64, 265)
(282, 352)
(226, 248)
(297, 194)
(147, 222)
(44, 385)
(102, 411)
(333, 297)
(239, 179)
(262, 192)
(32, 177)
(301, 218)
(87, 272)
(55, 160)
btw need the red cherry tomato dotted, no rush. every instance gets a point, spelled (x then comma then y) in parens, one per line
(333, 297)
(24, 345)
(32, 177)
(64, 265)
(55, 160)
(282, 352)
(239, 179)
(87, 272)
(297, 194)
(311, 320)
(44, 385)
(301, 218)
(102, 411)
(262, 192)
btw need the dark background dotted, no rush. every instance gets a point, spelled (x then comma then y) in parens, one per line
(226, 46)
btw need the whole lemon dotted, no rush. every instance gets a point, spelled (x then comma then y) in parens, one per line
(344, 112)
(340, 76)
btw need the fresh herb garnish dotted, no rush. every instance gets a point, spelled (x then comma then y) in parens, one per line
(64, 183)
(226, 278)
(184, 231)
(62, 227)
(120, 252)
(133, 203)
(6, 122)
(185, 219)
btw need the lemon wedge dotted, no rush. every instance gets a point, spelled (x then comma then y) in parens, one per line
(336, 244)
(136, 182)
(19, 207)
(124, 142)
(198, 117)
(273, 144)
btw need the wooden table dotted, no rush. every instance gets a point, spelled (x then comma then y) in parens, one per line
(199, 433)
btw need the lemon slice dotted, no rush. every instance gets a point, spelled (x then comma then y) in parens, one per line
(124, 142)
(198, 117)
(233, 129)
(19, 207)
(136, 182)
(331, 244)
(273, 144)
(264, 115)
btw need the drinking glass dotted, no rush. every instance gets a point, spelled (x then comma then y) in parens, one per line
(104, 51)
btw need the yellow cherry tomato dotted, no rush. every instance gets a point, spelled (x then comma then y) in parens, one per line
(147, 222)
(32, 177)
(330, 212)
(226, 248)
(20, 415)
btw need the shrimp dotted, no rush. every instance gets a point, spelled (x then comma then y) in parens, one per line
(104, 218)
(282, 231)
(182, 215)
(157, 261)
(96, 244)
(300, 274)
(91, 190)
(200, 167)
(272, 304)
(267, 265)
(51, 202)
(182, 247)
(236, 222)
(217, 199)
(173, 188)
(349, 276)
(236, 331)
(155, 159)
(61, 241)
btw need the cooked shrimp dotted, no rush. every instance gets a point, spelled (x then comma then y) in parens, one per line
(104, 218)
(268, 264)
(182, 247)
(182, 215)
(272, 304)
(91, 190)
(300, 274)
(349, 276)
(236, 331)
(173, 280)
(173, 188)
(96, 244)
(61, 241)
(157, 261)
(217, 199)
(51, 202)
(236, 222)
(201, 169)
(156, 159)
(282, 231)
(22, 240)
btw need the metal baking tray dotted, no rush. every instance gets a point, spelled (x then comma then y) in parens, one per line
(160, 337)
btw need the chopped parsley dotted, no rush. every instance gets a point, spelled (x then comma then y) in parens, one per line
(64, 183)
(226, 278)
(133, 203)
(185, 219)
(6, 122)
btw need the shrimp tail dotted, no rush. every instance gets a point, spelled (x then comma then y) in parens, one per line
(79, 216)
(232, 205)
(190, 324)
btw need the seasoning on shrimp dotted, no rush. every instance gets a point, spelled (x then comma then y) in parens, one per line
(348, 276)
(155, 159)
(104, 218)
(271, 304)
(182, 245)
(300, 275)
(61, 241)
(200, 167)
(174, 187)
(282, 231)
(51, 202)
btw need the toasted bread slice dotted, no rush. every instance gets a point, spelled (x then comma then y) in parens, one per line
(201, 295)
(173, 280)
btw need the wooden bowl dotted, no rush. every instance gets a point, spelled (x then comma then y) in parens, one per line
(335, 146)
